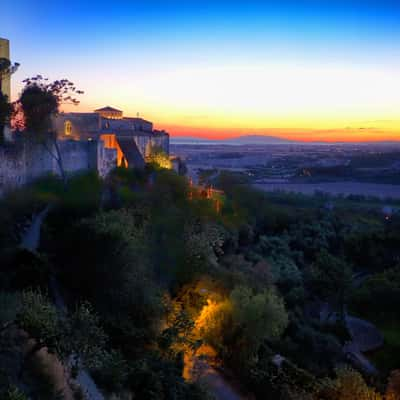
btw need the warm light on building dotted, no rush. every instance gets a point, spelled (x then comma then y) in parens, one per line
(111, 142)
(109, 113)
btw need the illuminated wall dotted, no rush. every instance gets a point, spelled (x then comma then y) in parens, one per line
(109, 113)
(111, 142)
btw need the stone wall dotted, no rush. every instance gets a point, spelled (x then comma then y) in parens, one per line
(12, 167)
(83, 125)
(22, 162)
(146, 143)
(106, 160)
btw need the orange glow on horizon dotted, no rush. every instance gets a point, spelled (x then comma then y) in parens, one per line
(311, 101)
(302, 128)
(297, 130)
(301, 135)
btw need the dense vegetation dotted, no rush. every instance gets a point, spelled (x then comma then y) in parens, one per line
(157, 279)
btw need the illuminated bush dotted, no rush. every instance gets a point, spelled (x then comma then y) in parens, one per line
(158, 157)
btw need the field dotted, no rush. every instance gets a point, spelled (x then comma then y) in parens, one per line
(381, 191)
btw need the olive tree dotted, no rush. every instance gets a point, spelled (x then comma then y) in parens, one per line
(77, 335)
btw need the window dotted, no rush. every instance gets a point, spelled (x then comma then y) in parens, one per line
(67, 128)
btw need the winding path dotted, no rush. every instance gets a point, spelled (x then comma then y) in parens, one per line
(30, 240)
(365, 337)
(219, 386)
(198, 369)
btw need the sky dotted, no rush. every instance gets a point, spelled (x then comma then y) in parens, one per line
(306, 70)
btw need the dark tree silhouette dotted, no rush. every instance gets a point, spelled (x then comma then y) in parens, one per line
(40, 102)
(6, 70)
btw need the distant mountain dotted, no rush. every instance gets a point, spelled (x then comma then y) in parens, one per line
(240, 140)
(258, 139)
(191, 140)
(262, 140)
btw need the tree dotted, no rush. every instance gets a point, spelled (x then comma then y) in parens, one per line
(39, 318)
(348, 385)
(384, 288)
(78, 335)
(158, 157)
(113, 371)
(40, 102)
(15, 394)
(258, 315)
(330, 279)
(125, 295)
(238, 325)
(83, 337)
(6, 70)
(9, 306)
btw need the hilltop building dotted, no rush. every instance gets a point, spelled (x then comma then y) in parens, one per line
(97, 141)
(134, 139)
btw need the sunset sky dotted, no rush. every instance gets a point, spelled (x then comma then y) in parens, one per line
(308, 70)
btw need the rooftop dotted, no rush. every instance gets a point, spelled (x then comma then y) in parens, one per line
(108, 108)
(136, 119)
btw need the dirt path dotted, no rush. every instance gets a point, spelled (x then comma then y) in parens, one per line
(219, 386)
(30, 240)
(199, 369)
(365, 337)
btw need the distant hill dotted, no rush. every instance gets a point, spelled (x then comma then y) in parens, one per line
(258, 139)
(192, 140)
(240, 140)
(266, 140)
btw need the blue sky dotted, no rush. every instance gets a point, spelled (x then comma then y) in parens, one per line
(51, 28)
(115, 49)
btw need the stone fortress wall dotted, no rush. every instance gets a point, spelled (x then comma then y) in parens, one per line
(21, 162)
(97, 141)
(86, 144)
(133, 138)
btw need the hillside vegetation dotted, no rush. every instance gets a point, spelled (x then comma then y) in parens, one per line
(162, 281)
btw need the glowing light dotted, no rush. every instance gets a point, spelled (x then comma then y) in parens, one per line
(111, 142)
(158, 157)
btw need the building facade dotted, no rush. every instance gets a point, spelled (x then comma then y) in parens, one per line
(134, 139)
(97, 141)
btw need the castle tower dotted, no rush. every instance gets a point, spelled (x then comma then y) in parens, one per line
(5, 53)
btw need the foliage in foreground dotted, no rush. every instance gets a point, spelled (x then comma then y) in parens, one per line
(152, 273)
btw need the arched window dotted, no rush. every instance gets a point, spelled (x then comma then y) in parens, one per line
(67, 128)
